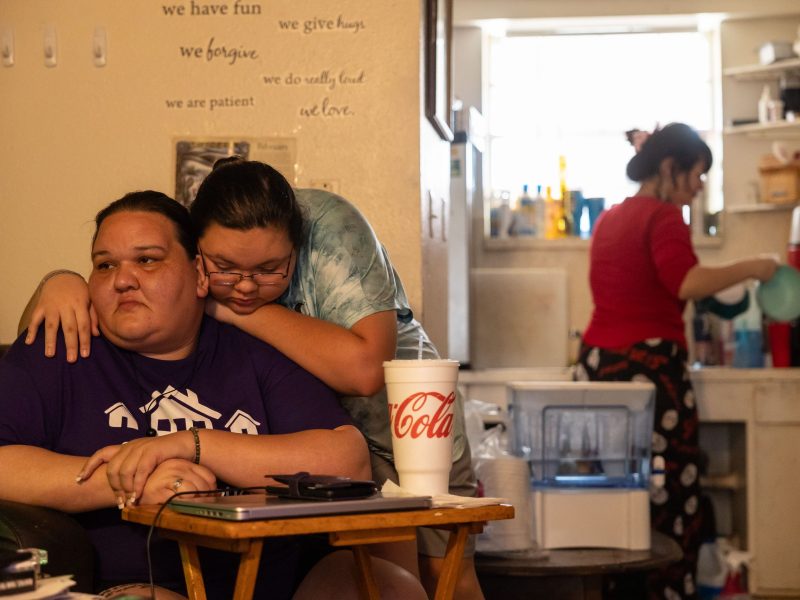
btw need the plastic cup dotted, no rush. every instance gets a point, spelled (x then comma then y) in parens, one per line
(779, 344)
(422, 395)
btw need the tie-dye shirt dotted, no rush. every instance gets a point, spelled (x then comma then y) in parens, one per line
(344, 274)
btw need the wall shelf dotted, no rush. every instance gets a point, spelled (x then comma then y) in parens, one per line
(728, 481)
(760, 207)
(778, 129)
(763, 72)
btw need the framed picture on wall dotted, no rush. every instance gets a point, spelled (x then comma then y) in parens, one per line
(438, 95)
(194, 159)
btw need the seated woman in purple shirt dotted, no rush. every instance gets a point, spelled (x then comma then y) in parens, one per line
(170, 400)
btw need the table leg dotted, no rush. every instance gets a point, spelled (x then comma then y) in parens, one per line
(248, 570)
(451, 567)
(195, 587)
(367, 586)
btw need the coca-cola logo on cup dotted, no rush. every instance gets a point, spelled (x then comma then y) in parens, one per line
(408, 418)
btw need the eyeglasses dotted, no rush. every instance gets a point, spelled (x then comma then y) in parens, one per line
(260, 278)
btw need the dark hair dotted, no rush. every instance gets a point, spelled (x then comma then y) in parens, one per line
(154, 202)
(243, 194)
(677, 141)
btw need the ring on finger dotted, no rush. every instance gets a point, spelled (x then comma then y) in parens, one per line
(177, 484)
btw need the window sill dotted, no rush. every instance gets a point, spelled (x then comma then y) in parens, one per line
(561, 244)
(529, 243)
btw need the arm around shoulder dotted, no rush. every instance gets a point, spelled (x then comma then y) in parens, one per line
(61, 301)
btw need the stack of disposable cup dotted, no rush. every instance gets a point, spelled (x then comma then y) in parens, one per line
(422, 395)
(507, 477)
(793, 252)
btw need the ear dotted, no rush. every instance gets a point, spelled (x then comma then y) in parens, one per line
(202, 278)
(665, 168)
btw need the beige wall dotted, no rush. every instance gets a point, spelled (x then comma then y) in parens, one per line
(76, 136)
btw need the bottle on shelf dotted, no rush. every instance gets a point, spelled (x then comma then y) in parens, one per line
(747, 332)
(763, 105)
(539, 208)
(565, 224)
(551, 215)
(523, 219)
(505, 218)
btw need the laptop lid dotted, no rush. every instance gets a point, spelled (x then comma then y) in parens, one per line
(247, 507)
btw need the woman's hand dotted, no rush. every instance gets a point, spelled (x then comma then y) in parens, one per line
(64, 301)
(764, 267)
(176, 475)
(129, 465)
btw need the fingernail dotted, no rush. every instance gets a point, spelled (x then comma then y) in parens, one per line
(79, 478)
(120, 503)
(28, 340)
(84, 353)
(131, 500)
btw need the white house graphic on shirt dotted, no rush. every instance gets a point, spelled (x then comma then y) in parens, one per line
(241, 422)
(172, 411)
(119, 416)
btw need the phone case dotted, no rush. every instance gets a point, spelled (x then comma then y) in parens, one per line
(303, 485)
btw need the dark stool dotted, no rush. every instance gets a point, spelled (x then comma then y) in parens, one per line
(568, 574)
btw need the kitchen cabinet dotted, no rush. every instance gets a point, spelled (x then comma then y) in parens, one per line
(750, 429)
(761, 408)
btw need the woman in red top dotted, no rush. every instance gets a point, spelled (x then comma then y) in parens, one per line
(642, 271)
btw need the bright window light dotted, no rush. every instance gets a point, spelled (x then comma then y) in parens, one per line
(576, 95)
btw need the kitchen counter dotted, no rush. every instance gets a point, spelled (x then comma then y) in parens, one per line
(732, 374)
(489, 385)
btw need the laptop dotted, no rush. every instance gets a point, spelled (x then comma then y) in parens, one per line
(248, 507)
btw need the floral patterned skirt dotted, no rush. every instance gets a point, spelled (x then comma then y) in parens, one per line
(674, 508)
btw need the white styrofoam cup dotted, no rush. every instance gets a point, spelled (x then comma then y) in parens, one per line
(422, 396)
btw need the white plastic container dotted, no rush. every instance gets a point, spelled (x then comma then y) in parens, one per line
(588, 446)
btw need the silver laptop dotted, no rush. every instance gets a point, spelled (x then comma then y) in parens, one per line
(247, 507)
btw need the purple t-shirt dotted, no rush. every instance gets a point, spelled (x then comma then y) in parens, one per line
(232, 382)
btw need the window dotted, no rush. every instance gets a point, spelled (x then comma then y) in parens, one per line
(574, 95)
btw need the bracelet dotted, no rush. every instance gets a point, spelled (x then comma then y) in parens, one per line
(52, 274)
(196, 444)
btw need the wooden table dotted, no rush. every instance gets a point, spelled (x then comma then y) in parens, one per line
(354, 530)
(567, 574)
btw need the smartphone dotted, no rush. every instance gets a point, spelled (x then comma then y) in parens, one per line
(322, 487)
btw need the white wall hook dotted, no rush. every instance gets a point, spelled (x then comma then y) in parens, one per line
(99, 47)
(50, 46)
(7, 47)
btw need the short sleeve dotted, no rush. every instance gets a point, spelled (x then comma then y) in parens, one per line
(25, 416)
(671, 247)
(348, 276)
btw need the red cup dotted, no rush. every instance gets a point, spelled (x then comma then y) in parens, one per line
(779, 346)
(793, 255)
